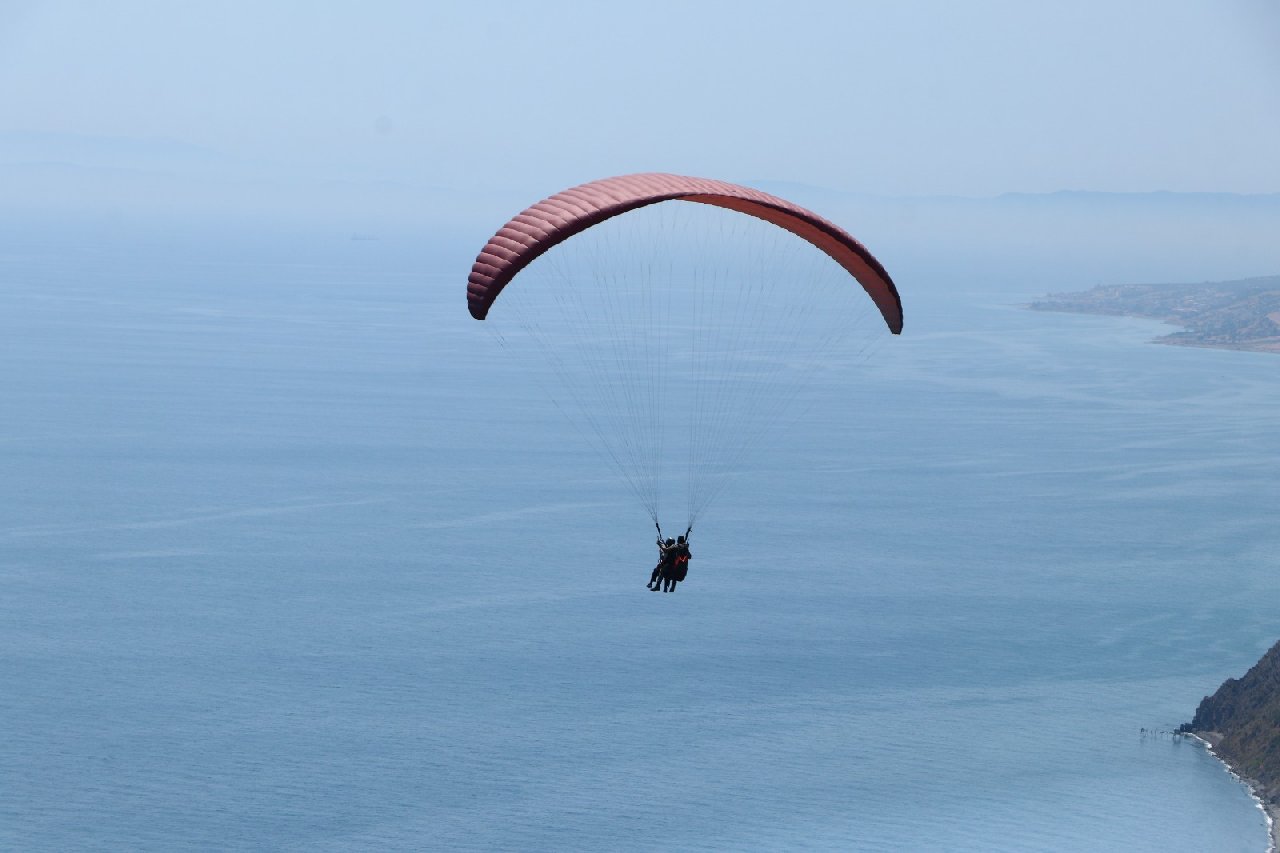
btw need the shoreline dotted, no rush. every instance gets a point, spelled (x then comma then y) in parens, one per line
(1269, 345)
(1269, 811)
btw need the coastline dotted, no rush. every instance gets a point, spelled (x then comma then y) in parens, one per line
(1270, 811)
(1268, 346)
(1241, 315)
(1174, 339)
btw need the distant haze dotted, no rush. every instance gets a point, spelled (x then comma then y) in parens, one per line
(909, 123)
(974, 98)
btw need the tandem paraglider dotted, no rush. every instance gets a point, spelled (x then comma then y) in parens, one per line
(677, 337)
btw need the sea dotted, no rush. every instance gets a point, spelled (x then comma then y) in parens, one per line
(291, 559)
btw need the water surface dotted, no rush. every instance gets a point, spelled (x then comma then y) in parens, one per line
(292, 562)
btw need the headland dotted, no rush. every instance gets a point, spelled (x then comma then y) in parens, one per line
(1240, 723)
(1242, 315)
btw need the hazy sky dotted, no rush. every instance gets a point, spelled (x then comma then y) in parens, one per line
(915, 97)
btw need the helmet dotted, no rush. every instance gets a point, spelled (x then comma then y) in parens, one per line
(670, 542)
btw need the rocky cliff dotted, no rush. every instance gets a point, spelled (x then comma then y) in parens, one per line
(1242, 722)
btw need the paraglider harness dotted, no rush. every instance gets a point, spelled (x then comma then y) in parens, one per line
(681, 561)
(679, 556)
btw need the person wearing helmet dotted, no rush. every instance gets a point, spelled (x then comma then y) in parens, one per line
(666, 553)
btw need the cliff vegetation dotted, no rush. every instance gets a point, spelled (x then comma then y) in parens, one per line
(1242, 723)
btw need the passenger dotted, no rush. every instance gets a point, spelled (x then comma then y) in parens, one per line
(666, 553)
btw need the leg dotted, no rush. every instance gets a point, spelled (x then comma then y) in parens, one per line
(655, 581)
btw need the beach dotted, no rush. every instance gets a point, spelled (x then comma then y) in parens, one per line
(1271, 810)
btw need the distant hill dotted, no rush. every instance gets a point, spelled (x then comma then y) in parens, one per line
(30, 148)
(1242, 314)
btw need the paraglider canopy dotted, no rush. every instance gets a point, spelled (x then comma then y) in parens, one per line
(556, 219)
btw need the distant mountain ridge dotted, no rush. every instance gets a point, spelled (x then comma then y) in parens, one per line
(1150, 195)
(790, 189)
(111, 152)
(1059, 240)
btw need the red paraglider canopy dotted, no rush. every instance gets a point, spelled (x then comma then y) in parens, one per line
(556, 219)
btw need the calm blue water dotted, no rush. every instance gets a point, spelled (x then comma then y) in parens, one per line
(291, 562)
